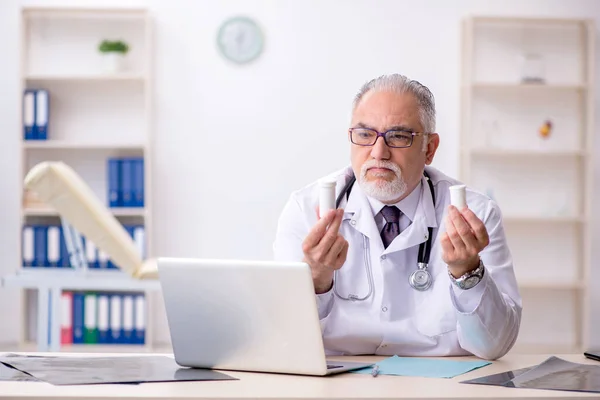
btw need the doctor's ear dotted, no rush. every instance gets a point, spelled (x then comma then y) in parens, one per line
(432, 141)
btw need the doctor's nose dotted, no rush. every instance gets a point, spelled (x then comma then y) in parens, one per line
(380, 150)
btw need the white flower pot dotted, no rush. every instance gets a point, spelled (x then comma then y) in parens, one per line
(113, 62)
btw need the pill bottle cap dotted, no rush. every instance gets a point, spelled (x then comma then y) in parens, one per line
(327, 183)
(458, 187)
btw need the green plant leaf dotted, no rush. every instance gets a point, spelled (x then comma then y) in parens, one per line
(117, 46)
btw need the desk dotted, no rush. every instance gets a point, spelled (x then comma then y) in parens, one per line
(275, 386)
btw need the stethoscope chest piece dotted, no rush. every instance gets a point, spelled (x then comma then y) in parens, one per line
(421, 278)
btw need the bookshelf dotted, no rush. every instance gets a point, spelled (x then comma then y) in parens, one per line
(94, 115)
(518, 74)
(93, 77)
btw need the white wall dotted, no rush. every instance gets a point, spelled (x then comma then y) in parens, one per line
(232, 142)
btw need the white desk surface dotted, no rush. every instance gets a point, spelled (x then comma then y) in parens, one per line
(279, 386)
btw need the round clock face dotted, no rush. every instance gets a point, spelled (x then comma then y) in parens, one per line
(240, 40)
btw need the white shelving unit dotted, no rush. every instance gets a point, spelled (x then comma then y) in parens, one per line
(117, 212)
(95, 114)
(117, 76)
(541, 182)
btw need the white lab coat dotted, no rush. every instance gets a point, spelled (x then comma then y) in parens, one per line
(397, 319)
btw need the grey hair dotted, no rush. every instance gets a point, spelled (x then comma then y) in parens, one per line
(401, 84)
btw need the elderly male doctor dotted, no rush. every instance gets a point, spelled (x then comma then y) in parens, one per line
(363, 254)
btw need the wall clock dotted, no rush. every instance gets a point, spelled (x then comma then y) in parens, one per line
(240, 40)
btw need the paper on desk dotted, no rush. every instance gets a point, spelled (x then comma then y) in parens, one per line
(499, 379)
(8, 373)
(558, 374)
(424, 367)
(120, 369)
(553, 374)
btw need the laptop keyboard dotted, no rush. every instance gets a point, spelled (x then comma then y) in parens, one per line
(331, 366)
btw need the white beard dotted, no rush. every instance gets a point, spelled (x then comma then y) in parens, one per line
(381, 189)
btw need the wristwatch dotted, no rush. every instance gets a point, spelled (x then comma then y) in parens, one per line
(469, 279)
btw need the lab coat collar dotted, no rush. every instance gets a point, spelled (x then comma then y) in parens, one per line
(358, 210)
(417, 232)
(408, 205)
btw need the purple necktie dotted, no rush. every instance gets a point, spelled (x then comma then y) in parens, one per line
(391, 229)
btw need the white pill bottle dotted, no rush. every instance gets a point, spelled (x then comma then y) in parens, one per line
(326, 196)
(458, 196)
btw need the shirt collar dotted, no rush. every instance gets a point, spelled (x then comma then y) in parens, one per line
(407, 205)
(358, 201)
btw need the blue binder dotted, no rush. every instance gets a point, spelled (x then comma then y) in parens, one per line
(78, 317)
(40, 242)
(127, 181)
(49, 318)
(103, 318)
(111, 265)
(128, 306)
(115, 195)
(42, 114)
(138, 182)
(65, 262)
(139, 318)
(62, 248)
(129, 229)
(28, 114)
(116, 318)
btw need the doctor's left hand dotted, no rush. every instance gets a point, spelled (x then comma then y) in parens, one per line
(465, 236)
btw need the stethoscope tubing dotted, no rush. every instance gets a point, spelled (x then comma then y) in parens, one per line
(422, 262)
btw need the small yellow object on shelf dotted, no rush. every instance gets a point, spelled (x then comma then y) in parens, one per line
(546, 129)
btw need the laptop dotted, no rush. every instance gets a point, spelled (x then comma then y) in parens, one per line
(245, 315)
(592, 354)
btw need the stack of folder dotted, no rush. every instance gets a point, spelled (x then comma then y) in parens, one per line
(36, 111)
(44, 246)
(103, 317)
(126, 182)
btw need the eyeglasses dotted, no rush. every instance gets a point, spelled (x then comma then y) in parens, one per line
(392, 138)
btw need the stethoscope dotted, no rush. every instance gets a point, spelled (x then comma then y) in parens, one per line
(420, 279)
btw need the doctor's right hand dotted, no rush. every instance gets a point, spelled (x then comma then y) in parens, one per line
(325, 250)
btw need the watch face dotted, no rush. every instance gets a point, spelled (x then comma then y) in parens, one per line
(240, 40)
(471, 281)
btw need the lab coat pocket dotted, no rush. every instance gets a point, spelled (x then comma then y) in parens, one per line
(435, 314)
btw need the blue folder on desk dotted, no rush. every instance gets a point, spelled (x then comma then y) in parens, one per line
(425, 367)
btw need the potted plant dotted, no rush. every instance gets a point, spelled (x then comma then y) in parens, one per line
(113, 53)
